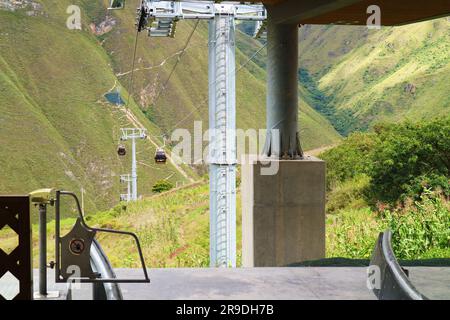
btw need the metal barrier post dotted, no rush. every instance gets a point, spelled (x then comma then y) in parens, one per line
(43, 249)
(42, 198)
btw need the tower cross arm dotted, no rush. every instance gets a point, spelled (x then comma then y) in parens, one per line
(133, 133)
(202, 10)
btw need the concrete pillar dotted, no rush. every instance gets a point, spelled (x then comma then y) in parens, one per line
(283, 210)
(283, 214)
(282, 90)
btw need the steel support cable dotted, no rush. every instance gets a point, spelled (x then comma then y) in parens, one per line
(173, 70)
(210, 84)
(164, 86)
(130, 89)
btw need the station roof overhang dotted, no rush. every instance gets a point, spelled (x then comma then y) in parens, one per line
(354, 12)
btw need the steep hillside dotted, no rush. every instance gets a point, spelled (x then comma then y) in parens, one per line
(56, 127)
(184, 100)
(359, 76)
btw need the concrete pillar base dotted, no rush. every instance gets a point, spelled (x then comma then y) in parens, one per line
(283, 214)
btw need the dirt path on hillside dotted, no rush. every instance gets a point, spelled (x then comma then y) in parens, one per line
(132, 118)
(151, 67)
(318, 151)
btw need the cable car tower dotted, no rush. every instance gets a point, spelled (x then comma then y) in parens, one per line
(160, 19)
(126, 178)
(131, 134)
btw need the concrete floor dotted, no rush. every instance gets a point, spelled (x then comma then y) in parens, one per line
(257, 283)
(302, 283)
(433, 282)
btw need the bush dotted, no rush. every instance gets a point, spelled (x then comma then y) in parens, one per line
(401, 160)
(419, 185)
(409, 156)
(352, 234)
(350, 159)
(162, 186)
(420, 228)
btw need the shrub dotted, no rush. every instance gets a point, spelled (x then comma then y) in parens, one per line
(407, 154)
(162, 186)
(352, 233)
(419, 185)
(350, 159)
(422, 227)
(401, 160)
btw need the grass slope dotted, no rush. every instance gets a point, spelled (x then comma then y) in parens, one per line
(185, 98)
(381, 75)
(56, 128)
(173, 229)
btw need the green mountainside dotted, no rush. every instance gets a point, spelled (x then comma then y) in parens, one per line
(359, 77)
(57, 129)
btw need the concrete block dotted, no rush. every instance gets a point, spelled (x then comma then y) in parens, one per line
(283, 214)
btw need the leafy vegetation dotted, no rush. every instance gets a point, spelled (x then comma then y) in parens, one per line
(410, 158)
(342, 120)
(421, 230)
(58, 131)
(420, 227)
(161, 186)
(401, 160)
(397, 178)
(352, 233)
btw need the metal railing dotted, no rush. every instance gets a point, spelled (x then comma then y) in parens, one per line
(101, 265)
(393, 282)
(60, 275)
(16, 263)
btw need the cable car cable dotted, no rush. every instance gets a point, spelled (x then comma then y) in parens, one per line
(160, 154)
(130, 89)
(207, 99)
(213, 82)
(164, 87)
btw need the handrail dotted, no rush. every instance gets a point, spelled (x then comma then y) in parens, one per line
(393, 281)
(83, 222)
(101, 265)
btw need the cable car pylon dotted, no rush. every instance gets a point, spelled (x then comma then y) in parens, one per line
(131, 134)
(160, 19)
